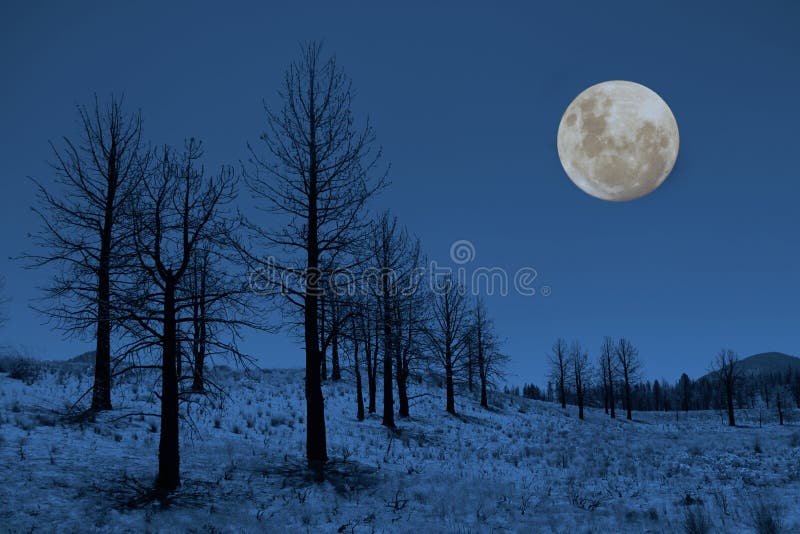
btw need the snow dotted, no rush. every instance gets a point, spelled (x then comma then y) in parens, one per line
(525, 466)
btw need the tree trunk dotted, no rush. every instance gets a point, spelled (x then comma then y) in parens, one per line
(198, 373)
(178, 353)
(612, 400)
(169, 447)
(402, 387)
(562, 390)
(316, 441)
(336, 372)
(323, 351)
(371, 358)
(729, 398)
(101, 391)
(451, 396)
(316, 446)
(388, 400)
(359, 395)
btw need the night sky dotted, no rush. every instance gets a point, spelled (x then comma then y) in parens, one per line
(466, 102)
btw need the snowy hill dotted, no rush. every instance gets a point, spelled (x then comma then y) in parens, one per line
(524, 466)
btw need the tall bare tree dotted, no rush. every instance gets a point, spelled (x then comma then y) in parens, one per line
(608, 365)
(357, 340)
(316, 173)
(177, 209)
(629, 366)
(394, 256)
(726, 367)
(559, 368)
(371, 338)
(579, 368)
(448, 332)
(489, 361)
(81, 236)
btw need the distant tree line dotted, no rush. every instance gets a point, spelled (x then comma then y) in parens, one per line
(615, 383)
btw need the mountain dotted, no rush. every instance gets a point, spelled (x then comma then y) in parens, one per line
(769, 362)
(765, 363)
(86, 357)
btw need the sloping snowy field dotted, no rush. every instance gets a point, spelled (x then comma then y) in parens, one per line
(526, 466)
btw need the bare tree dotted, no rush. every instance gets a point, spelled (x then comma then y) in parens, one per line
(371, 333)
(685, 385)
(411, 310)
(489, 361)
(579, 367)
(211, 294)
(447, 334)
(199, 293)
(629, 366)
(727, 370)
(559, 368)
(177, 209)
(607, 364)
(356, 341)
(316, 175)
(394, 257)
(604, 382)
(781, 394)
(81, 234)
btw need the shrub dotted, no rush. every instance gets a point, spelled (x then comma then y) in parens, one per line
(19, 368)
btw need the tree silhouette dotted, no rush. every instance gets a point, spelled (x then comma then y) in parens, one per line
(449, 332)
(559, 368)
(628, 361)
(177, 211)
(728, 374)
(316, 176)
(82, 234)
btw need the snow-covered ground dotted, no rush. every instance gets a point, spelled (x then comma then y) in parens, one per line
(525, 466)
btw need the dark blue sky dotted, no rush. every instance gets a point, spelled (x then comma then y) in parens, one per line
(466, 102)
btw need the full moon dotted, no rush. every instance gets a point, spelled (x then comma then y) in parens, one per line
(618, 140)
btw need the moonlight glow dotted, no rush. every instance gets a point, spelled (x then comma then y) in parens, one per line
(618, 140)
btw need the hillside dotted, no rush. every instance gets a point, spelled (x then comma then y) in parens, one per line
(524, 466)
(765, 363)
(86, 357)
(769, 362)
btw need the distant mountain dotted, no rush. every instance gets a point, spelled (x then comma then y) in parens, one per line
(769, 362)
(86, 357)
(766, 363)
